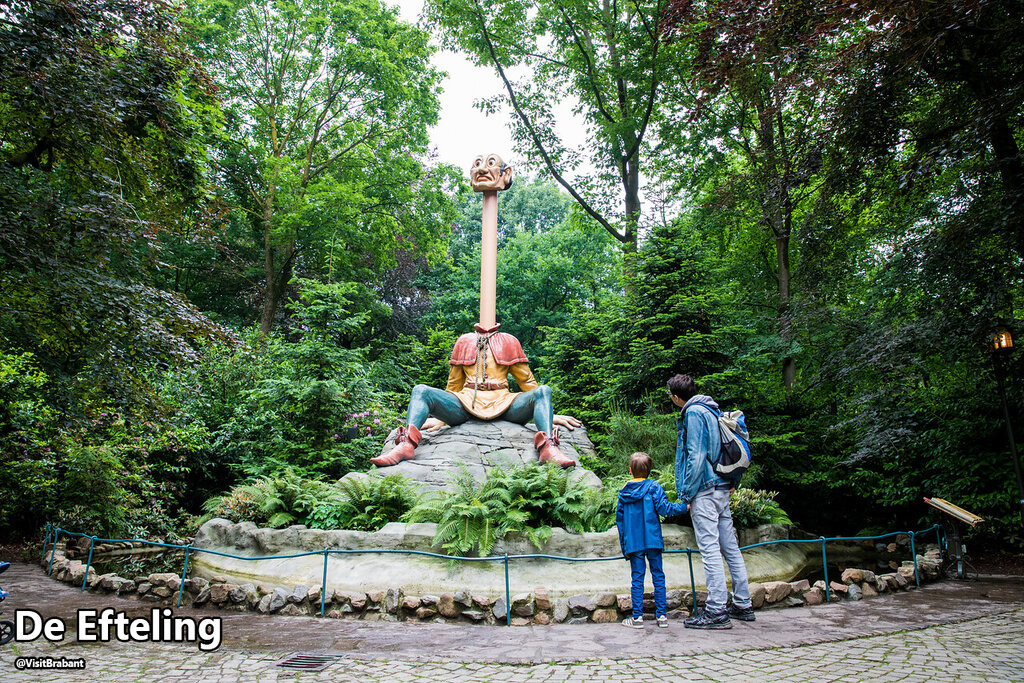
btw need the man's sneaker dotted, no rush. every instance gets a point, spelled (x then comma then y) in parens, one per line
(630, 622)
(742, 613)
(708, 620)
(662, 621)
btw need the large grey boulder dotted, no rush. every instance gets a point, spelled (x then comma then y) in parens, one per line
(476, 447)
(286, 558)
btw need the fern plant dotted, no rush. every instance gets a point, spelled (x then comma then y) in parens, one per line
(366, 503)
(531, 499)
(752, 507)
(280, 500)
(545, 493)
(471, 516)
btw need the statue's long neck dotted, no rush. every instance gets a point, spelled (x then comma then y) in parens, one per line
(489, 259)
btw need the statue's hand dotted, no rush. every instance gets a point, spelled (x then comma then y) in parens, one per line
(432, 424)
(566, 421)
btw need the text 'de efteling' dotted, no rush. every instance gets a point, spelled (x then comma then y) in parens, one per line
(162, 625)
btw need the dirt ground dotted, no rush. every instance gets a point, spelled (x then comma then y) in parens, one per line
(999, 562)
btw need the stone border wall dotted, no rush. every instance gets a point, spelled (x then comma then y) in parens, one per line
(526, 608)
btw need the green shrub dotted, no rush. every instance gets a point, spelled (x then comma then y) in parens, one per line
(751, 508)
(277, 501)
(101, 473)
(530, 499)
(472, 516)
(366, 504)
(237, 505)
(652, 433)
(545, 493)
(599, 514)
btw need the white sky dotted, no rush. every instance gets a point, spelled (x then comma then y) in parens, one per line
(463, 132)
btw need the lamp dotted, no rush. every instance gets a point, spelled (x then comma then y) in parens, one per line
(1001, 344)
(1001, 340)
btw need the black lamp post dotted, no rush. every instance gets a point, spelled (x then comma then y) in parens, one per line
(1001, 343)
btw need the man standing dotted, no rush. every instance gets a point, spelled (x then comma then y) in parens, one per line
(707, 494)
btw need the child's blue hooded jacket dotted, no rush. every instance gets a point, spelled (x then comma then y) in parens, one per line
(636, 516)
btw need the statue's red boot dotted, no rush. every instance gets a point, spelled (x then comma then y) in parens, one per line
(407, 440)
(547, 449)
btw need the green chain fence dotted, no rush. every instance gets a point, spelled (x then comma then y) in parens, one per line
(56, 532)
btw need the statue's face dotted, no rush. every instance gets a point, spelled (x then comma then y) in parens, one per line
(489, 172)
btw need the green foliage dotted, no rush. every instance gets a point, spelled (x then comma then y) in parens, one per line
(751, 508)
(471, 517)
(545, 493)
(86, 192)
(240, 504)
(327, 105)
(530, 499)
(111, 480)
(281, 500)
(105, 476)
(366, 504)
(304, 402)
(549, 266)
(653, 433)
(615, 358)
(363, 504)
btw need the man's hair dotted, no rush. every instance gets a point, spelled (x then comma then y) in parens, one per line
(683, 387)
(640, 465)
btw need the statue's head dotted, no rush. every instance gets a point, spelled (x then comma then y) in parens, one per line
(489, 172)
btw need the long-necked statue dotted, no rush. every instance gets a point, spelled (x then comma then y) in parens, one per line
(482, 360)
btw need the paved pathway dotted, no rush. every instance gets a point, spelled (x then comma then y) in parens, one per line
(945, 632)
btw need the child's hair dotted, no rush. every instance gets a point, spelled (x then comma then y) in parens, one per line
(640, 465)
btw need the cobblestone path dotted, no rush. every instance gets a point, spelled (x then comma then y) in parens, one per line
(989, 648)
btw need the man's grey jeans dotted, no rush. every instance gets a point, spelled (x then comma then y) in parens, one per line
(712, 523)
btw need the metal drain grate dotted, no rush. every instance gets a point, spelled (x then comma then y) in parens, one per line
(305, 661)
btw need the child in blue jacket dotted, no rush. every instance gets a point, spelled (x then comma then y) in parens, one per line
(640, 502)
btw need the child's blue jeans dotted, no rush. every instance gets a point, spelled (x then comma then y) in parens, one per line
(638, 568)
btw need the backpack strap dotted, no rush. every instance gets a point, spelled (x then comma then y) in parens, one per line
(714, 412)
(717, 415)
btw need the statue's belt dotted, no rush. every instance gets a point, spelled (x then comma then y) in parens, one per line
(487, 386)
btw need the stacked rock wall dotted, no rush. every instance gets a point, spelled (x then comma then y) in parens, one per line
(534, 607)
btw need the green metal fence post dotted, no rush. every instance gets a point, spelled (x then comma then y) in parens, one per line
(824, 564)
(323, 586)
(46, 541)
(508, 605)
(92, 543)
(913, 553)
(184, 572)
(693, 584)
(56, 535)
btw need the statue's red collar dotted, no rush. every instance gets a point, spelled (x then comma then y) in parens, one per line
(486, 330)
(505, 348)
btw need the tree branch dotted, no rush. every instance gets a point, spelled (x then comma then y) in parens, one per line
(535, 137)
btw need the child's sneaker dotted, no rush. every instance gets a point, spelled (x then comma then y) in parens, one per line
(630, 622)
(663, 621)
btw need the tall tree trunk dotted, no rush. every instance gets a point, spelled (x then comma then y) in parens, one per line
(778, 211)
(271, 298)
(631, 185)
(1008, 158)
(785, 323)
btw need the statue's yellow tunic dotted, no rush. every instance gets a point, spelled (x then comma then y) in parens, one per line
(489, 403)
